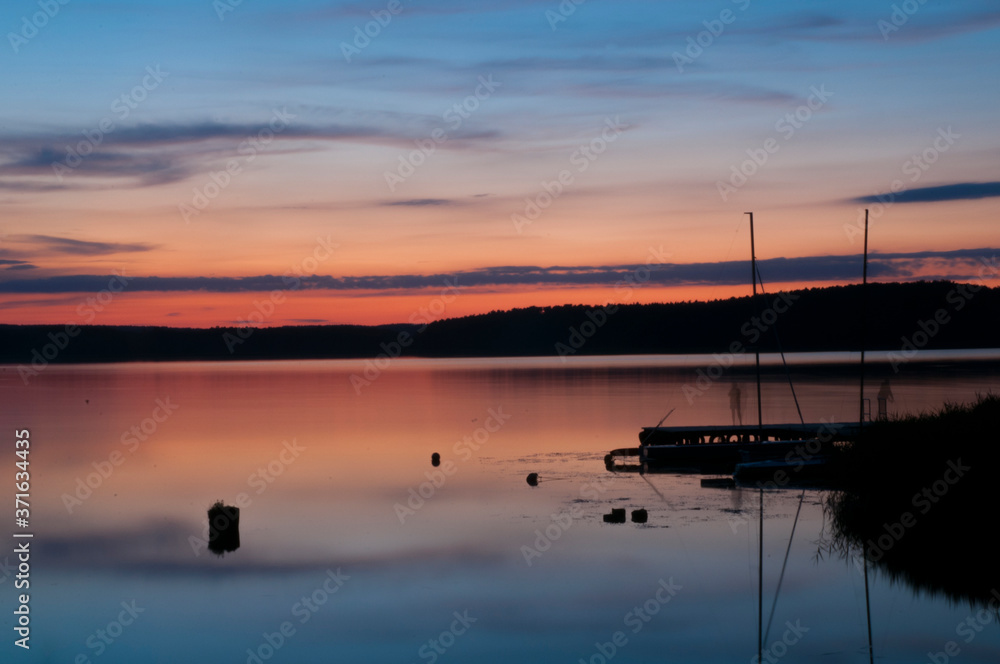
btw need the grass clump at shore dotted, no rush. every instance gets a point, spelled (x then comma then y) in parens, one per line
(918, 499)
(917, 448)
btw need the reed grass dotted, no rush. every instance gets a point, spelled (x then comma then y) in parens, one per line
(918, 499)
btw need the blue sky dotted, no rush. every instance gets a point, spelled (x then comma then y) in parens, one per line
(872, 86)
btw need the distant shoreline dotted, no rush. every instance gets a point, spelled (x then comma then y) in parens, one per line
(903, 320)
(987, 358)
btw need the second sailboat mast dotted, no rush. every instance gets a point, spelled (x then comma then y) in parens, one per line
(753, 268)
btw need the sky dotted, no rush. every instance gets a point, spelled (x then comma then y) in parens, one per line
(199, 163)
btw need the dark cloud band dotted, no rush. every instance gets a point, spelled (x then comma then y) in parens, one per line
(959, 264)
(961, 191)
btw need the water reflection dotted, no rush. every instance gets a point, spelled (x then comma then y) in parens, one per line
(950, 552)
(461, 548)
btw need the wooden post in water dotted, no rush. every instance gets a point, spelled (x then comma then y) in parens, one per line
(223, 528)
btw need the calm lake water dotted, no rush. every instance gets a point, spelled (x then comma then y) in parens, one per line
(354, 548)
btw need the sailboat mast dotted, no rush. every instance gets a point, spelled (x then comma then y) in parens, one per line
(864, 284)
(760, 578)
(753, 279)
(760, 438)
(861, 426)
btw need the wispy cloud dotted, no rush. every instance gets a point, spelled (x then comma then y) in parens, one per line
(8, 264)
(64, 245)
(858, 26)
(963, 263)
(153, 154)
(421, 202)
(354, 11)
(938, 26)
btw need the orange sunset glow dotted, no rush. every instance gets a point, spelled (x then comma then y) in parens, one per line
(384, 177)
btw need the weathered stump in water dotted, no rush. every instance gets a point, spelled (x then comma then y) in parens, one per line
(223, 528)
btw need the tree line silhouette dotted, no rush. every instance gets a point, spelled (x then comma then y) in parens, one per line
(900, 316)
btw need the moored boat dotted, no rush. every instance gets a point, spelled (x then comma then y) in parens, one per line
(784, 473)
(722, 447)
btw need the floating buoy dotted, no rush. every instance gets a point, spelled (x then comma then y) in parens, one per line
(435, 459)
(532, 479)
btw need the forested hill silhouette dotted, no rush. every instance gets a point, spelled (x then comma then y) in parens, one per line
(921, 315)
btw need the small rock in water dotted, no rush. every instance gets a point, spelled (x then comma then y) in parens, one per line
(617, 515)
(640, 516)
(435, 459)
(532, 479)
